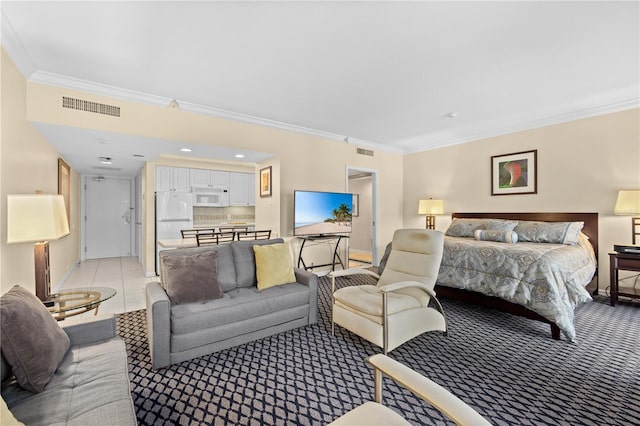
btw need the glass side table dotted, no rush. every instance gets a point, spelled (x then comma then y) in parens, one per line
(76, 301)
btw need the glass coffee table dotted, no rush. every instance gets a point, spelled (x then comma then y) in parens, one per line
(76, 301)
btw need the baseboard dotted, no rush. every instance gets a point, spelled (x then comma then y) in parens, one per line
(67, 275)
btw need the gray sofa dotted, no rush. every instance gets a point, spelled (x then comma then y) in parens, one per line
(179, 332)
(90, 386)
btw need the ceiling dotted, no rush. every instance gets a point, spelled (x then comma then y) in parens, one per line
(401, 76)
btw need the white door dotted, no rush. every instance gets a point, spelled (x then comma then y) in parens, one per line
(108, 217)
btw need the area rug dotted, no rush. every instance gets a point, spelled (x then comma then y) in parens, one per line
(507, 368)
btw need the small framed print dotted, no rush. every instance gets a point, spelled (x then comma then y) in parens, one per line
(64, 186)
(515, 173)
(265, 182)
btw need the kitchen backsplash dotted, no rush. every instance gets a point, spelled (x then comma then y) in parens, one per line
(203, 215)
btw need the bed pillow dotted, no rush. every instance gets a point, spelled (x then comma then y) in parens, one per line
(192, 277)
(273, 265)
(499, 236)
(549, 232)
(467, 227)
(32, 341)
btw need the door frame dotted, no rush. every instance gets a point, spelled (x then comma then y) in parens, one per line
(83, 212)
(374, 207)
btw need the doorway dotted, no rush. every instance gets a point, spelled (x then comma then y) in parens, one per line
(362, 242)
(108, 216)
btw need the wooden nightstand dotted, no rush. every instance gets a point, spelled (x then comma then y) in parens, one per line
(626, 262)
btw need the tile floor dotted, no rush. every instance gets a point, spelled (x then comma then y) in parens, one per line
(124, 274)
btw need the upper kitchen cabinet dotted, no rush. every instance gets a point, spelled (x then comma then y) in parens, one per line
(174, 179)
(241, 189)
(201, 178)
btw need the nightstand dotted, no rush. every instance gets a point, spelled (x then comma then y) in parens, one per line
(626, 262)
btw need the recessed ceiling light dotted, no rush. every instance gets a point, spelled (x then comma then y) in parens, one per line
(453, 114)
(185, 149)
(239, 155)
(105, 160)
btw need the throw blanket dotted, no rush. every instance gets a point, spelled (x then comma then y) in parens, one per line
(548, 279)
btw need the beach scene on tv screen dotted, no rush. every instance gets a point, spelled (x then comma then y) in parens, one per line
(322, 213)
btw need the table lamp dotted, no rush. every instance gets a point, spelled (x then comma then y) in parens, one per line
(628, 203)
(431, 208)
(37, 218)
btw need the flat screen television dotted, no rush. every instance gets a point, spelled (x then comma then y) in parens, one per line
(321, 213)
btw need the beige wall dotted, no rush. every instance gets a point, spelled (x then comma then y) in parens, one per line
(30, 164)
(581, 166)
(299, 161)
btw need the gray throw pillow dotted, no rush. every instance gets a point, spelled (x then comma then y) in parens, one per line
(549, 232)
(32, 341)
(192, 278)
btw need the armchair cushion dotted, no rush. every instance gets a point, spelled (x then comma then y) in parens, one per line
(367, 299)
(32, 341)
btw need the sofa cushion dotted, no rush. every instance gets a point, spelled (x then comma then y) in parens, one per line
(245, 260)
(192, 277)
(91, 386)
(237, 305)
(32, 341)
(226, 265)
(273, 265)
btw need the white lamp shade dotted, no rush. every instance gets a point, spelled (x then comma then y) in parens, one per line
(36, 217)
(431, 207)
(628, 202)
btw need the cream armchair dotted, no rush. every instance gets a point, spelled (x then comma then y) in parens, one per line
(374, 413)
(397, 308)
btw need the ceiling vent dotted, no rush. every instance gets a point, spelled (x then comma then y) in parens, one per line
(363, 151)
(113, 169)
(83, 105)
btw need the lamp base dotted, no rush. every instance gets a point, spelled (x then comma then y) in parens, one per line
(431, 221)
(43, 277)
(635, 229)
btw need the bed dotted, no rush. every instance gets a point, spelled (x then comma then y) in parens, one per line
(540, 281)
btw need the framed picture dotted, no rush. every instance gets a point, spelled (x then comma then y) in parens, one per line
(356, 206)
(265, 182)
(515, 173)
(64, 186)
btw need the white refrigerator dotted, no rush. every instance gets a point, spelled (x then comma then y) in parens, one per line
(174, 211)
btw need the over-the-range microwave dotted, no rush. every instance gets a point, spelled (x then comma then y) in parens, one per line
(210, 197)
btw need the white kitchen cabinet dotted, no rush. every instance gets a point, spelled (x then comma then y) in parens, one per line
(241, 189)
(202, 178)
(174, 179)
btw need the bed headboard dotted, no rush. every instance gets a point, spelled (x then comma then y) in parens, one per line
(590, 220)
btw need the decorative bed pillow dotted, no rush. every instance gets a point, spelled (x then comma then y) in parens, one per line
(499, 236)
(191, 278)
(549, 232)
(273, 265)
(467, 227)
(32, 341)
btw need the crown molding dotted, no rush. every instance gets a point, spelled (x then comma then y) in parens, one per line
(52, 79)
(14, 48)
(433, 141)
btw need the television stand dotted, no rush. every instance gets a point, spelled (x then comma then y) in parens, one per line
(321, 239)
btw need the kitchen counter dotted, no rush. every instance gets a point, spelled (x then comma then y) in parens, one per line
(178, 243)
(222, 224)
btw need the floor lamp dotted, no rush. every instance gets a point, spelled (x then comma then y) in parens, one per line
(628, 203)
(37, 218)
(431, 208)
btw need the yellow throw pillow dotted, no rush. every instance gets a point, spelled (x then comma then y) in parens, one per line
(273, 265)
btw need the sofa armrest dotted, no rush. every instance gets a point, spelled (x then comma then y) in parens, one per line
(84, 331)
(311, 280)
(158, 325)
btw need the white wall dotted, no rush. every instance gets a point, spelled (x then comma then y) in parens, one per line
(581, 166)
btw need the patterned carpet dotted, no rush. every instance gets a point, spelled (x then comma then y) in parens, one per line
(507, 368)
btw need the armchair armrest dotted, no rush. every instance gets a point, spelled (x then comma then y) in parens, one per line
(407, 284)
(345, 272)
(447, 403)
(84, 331)
(158, 325)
